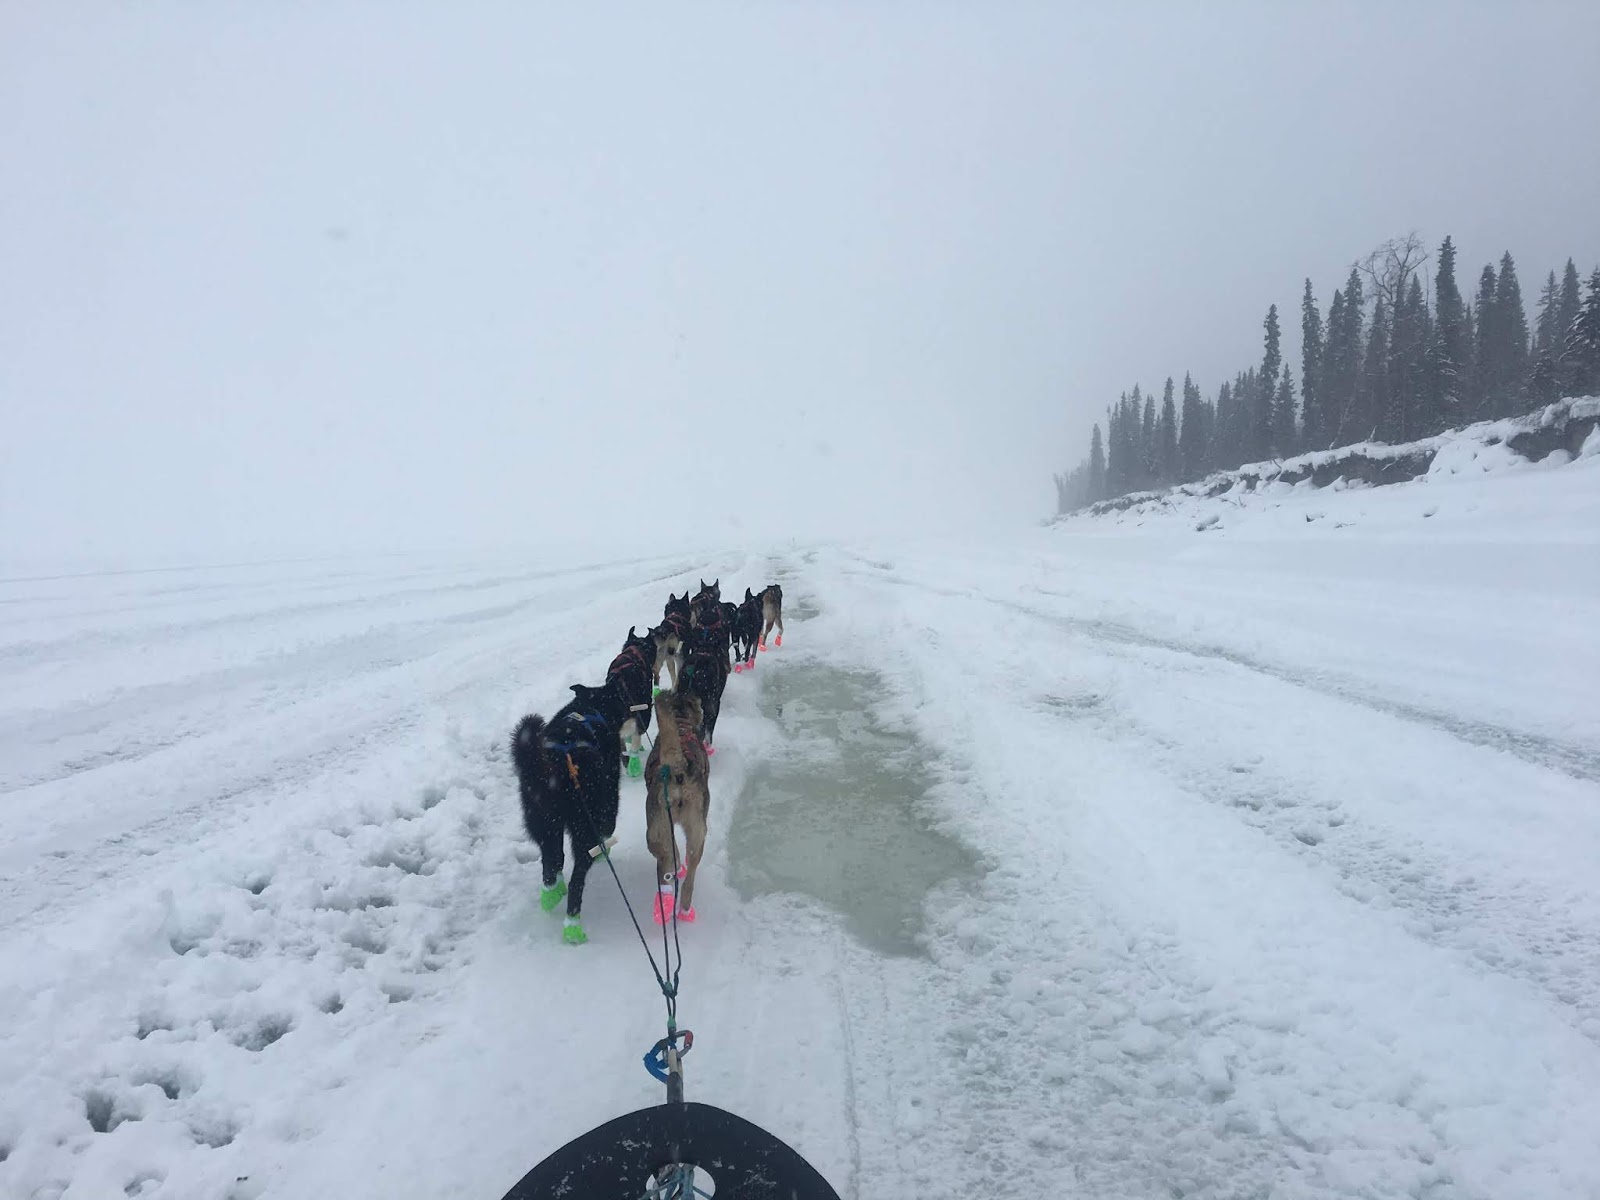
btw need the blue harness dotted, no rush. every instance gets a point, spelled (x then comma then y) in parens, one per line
(586, 739)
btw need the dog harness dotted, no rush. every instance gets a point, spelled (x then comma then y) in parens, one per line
(634, 652)
(584, 740)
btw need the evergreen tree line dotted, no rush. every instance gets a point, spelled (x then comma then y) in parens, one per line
(1389, 363)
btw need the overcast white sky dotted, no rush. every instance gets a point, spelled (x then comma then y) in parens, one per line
(286, 276)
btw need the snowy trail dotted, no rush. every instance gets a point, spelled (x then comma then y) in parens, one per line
(1356, 781)
(1255, 912)
(1412, 940)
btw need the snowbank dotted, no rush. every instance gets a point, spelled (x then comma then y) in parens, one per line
(1556, 435)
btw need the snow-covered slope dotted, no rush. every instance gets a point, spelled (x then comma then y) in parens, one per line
(1551, 437)
(1282, 841)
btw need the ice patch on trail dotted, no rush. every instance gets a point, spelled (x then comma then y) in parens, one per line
(834, 811)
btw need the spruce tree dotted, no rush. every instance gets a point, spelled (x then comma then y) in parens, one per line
(1544, 382)
(1284, 439)
(1097, 467)
(1373, 395)
(1511, 326)
(1397, 420)
(1417, 362)
(1310, 364)
(1271, 364)
(1582, 352)
(1116, 451)
(1148, 442)
(1321, 431)
(1208, 427)
(1167, 437)
(1567, 307)
(1127, 443)
(1485, 351)
(1246, 400)
(1221, 451)
(1191, 433)
(1449, 345)
(1545, 338)
(1342, 409)
(1132, 455)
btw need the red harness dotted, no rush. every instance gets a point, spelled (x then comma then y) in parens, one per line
(632, 651)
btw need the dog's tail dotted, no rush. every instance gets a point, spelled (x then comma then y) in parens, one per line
(527, 750)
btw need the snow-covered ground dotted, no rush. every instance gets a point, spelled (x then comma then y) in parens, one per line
(1284, 837)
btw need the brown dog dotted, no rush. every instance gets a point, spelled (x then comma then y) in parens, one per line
(771, 613)
(687, 787)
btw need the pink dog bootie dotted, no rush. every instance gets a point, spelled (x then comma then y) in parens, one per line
(667, 905)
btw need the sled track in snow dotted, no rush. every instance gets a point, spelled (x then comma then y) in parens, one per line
(1578, 762)
(1546, 945)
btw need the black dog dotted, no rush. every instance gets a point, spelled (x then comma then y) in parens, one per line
(705, 675)
(672, 635)
(746, 631)
(632, 672)
(569, 772)
(706, 612)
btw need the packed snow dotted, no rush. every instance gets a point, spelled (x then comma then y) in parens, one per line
(1247, 860)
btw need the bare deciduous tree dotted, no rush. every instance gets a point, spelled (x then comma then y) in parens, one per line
(1391, 266)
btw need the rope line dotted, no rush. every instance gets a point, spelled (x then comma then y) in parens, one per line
(669, 991)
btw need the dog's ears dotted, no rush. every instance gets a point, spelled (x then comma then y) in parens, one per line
(632, 632)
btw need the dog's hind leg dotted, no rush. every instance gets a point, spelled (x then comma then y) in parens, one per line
(573, 933)
(712, 706)
(659, 836)
(693, 819)
(547, 834)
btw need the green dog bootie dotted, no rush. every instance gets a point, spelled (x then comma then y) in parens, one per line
(654, 692)
(553, 895)
(572, 932)
(635, 767)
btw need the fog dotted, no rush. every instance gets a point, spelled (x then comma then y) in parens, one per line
(318, 278)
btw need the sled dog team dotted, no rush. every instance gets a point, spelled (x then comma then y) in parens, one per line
(569, 768)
